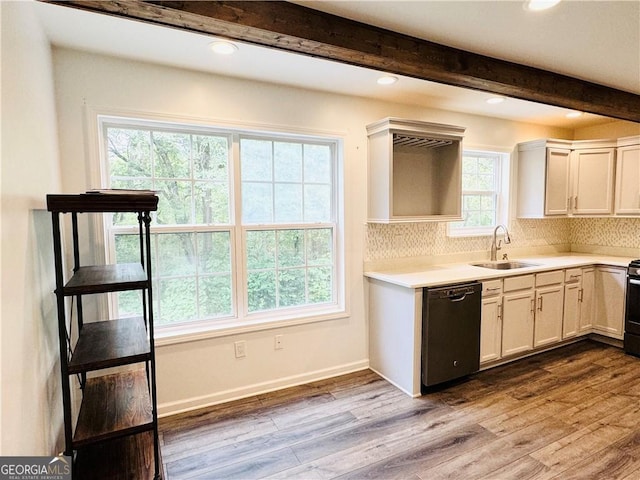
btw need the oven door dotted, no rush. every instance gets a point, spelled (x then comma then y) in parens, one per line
(632, 317)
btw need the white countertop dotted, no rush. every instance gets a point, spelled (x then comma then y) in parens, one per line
(435, 275)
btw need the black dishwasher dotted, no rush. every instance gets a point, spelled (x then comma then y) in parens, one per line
(450, 332)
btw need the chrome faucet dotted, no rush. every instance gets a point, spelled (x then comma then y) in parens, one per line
(495, 244)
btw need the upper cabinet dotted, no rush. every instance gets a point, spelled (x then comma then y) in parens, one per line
(561, 178)
(593, 176)
(543, 178)
(628, 176)
(415, 171)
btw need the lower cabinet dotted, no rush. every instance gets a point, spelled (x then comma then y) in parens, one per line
(549, 308)
(610, 286)
(491, 325)
(587, 299)
(518, 305)
(571, 316)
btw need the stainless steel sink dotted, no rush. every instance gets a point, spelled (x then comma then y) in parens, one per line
(504, 265)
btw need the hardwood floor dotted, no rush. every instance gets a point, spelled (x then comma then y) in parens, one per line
(573, 413)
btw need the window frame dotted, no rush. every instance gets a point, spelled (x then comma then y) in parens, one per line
(501, 193)
(240, 319)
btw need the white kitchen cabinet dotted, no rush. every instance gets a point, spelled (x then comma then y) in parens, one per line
(587, 300)
(517, 314)
(543, 182)
(549, 308)
(627, 200)
(610, 287)
(562, 177)
(415, 171)
(491, 324)
(572, 294)
(593, 181)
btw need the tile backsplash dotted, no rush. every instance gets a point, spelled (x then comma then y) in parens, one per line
(384, 242)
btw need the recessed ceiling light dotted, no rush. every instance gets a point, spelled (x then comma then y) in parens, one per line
(387, 80)
(495, 100)
(222, 47)
(573, 114)
(538, 5)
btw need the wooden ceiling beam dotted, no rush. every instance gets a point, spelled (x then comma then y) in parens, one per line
(294, 28)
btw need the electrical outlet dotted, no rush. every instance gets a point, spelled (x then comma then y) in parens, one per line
(278, 343)
(241, 349)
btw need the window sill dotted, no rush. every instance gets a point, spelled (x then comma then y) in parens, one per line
(233, 326)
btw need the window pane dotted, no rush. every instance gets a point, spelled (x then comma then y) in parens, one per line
(211, 157)
(256, 163)
(176, 254)
(129, 152)
(174, 204)
(214, 296)
(257, 203)
(320, 285)
(287, 162)
(291, 287)
(172, 154)
(211, 203)
(177, 300)
(317, 203)
(261, 290)
(317, 163)
(127, 248)
(288, 199)
(214, 252)
(261, 249)
(290, 248)
(319, 246)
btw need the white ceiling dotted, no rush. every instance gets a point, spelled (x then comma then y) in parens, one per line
(595, 41)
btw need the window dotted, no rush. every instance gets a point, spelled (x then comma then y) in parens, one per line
(247, 223)
(483, 195)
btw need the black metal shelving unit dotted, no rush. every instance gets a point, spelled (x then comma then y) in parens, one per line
(116, 425)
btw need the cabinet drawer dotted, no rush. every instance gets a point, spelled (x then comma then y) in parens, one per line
(521, 282)
(572, 275)
(491, 287)
(549, 278)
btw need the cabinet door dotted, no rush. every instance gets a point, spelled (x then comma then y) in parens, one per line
(571, 316)
(628, 181)
(593, 181)
(491, 329)
(556, 199)
(517, 322)
(611, 285)
(548, 317)
(587, 299)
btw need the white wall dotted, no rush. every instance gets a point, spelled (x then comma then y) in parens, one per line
(31, 409)
(206, 371)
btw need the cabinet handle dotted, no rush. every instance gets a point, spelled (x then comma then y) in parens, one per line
(580, 294)
(499, 311)
(493, 289)
(533, 305)
(575, 202)
(540, 303)
(568, 203)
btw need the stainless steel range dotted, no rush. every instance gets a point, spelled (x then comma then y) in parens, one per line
(632, 316)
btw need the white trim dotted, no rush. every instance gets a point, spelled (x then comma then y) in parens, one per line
(395, 384)
(193, 403)
(212, 328)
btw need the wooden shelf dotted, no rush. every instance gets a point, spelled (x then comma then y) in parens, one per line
(114, 201)
(124, 458)
(106, 278)
(114, 406)
(109, 344)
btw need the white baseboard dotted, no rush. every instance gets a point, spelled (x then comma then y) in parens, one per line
(180, 406)
(414, 395)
